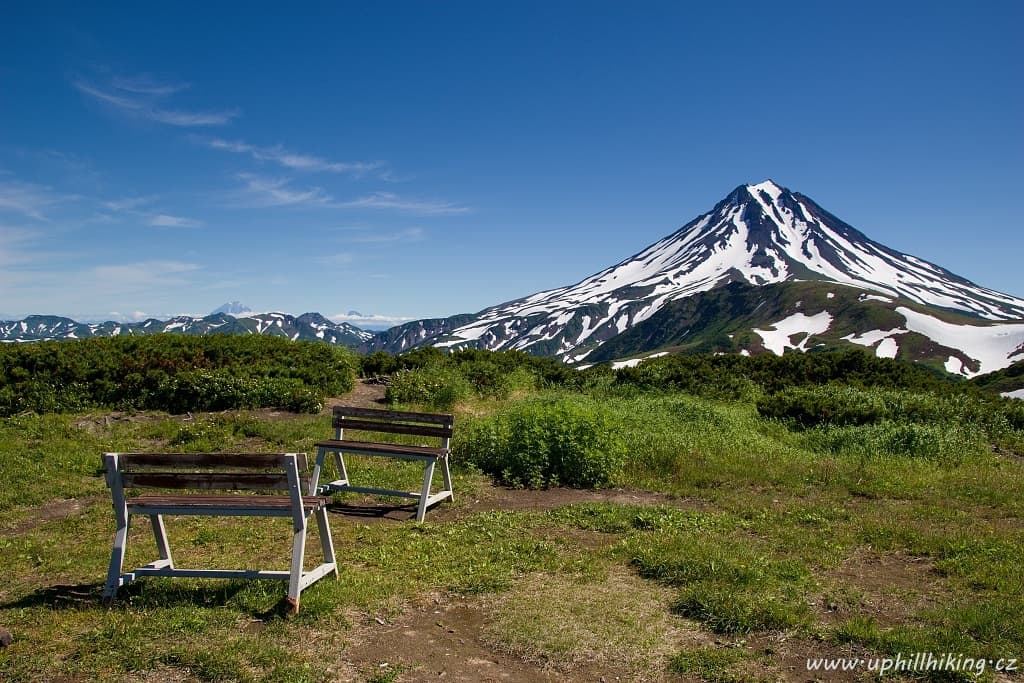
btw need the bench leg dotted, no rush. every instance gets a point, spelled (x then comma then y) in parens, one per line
(116, 561)
(160, 533)
(447, 474)
(428, 477)
(326, 542)
(314, 479)
(342, 471)
(298, 557)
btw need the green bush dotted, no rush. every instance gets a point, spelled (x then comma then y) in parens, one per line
(946, 443)
(172, 372)
(218, 390)
(833, 404)
(840, 406)
(736, 377)
(435, 386)
(547, 442)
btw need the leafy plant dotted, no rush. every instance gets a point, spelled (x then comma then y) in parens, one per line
(565, 441)
(435, 386)
(171, 372)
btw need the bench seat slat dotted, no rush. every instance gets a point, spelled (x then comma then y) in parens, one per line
(219, 481)
(214, 502)
(378, 414)
(396, 428)
(371, 448)
(232, 460)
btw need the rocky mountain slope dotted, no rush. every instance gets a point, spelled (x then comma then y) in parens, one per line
(758, 236)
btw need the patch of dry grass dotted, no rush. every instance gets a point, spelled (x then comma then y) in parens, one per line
(617, 621)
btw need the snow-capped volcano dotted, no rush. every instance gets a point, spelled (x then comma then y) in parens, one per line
(234, 308)
(759, 234)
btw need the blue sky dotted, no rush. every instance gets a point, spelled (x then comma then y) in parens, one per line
(415, 159)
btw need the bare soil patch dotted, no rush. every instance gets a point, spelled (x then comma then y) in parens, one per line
(438, 640)
(445, 639)
(363, 395)
(54, 509)
(888, 586)
(784, 658)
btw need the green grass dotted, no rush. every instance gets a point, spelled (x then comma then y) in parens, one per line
(758, 532)
(714, 664)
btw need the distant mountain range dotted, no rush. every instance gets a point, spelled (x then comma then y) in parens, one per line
(308, 326)
(766, 270)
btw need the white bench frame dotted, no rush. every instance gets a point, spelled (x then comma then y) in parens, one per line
(179, 472)
(436, 425)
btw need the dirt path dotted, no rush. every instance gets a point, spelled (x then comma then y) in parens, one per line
(440, 640)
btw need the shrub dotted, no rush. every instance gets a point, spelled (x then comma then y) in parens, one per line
(206, 390)
(171, 372)
(547, 442)
(843, 406)
(731, 376)
(947, 443)
(435, 386)
(834, 405)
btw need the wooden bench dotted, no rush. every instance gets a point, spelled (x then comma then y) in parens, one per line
(200, 473)
(394, 422)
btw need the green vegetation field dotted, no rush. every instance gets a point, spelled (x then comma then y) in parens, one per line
(699, 518)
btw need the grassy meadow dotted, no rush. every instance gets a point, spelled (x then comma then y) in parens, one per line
(675, 521)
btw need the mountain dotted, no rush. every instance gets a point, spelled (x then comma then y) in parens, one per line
(232, 308)
(308, 326)
(771, 245)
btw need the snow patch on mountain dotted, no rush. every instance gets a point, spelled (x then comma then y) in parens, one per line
(884, 341)
(633, 362)
(887, 348)
(872, 337)
(781, 338)
(954, 366)
(993, 346)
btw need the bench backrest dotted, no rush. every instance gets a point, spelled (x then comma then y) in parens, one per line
(206, 471)
(393, 421)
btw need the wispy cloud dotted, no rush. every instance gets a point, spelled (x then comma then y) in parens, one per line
(372, 320)
(162, 220)
(13, 243)
(30, 199)
(339, 259)
(407, 235)
(294, 160)
(144, 84)
(134, 316)
(390, 200)
(144, 98)
(144, 209)
(128, 203)
(262, 191)
(190, 119)
(259, 192)
(144, 274)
